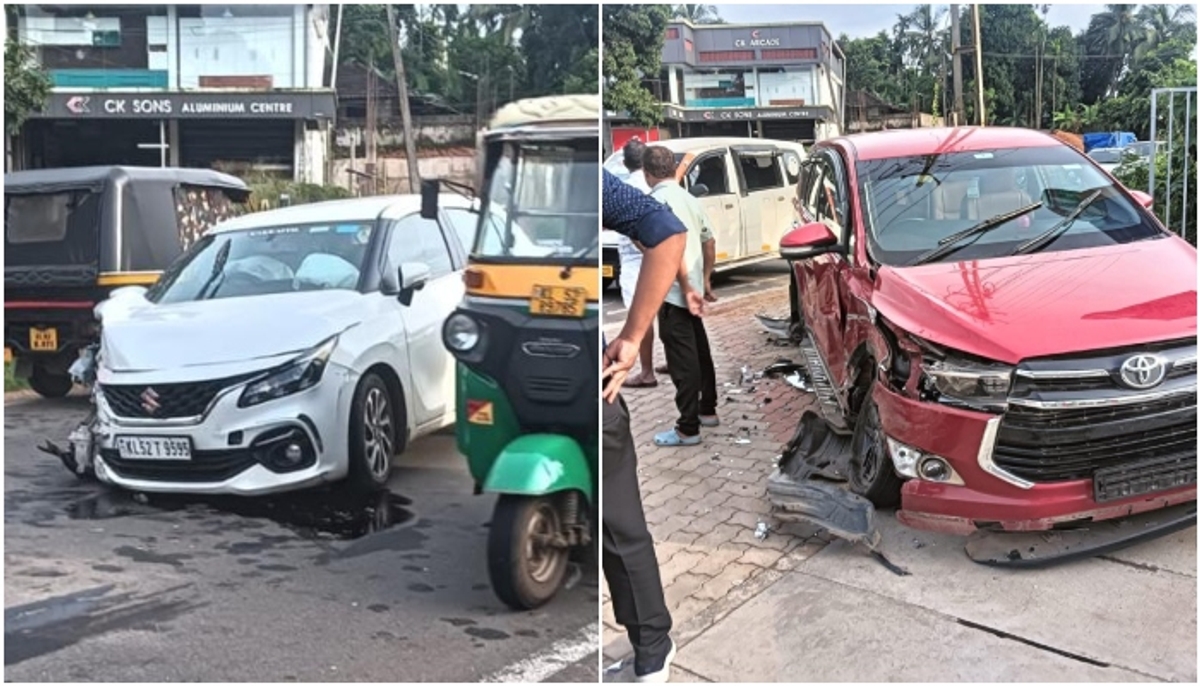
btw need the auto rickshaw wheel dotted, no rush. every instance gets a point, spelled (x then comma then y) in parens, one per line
(526, 561)
(50, 384)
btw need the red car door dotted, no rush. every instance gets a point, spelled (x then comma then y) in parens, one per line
(820, 279)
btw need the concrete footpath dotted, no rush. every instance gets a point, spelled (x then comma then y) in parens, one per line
(795, 607)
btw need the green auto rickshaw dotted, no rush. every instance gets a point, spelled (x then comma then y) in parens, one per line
(526, 341)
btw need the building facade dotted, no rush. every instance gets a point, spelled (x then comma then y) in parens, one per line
(782, 81)
(230, 86)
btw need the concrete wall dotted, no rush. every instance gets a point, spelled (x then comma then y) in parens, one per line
(432, 131)
(391, 174)
(902, 120)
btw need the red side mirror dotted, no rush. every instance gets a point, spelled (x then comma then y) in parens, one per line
(1143, 198)
(806, 241)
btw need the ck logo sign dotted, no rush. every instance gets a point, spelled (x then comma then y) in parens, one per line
(79, 104)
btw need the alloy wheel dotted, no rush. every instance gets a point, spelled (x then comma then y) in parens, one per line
(379, 434)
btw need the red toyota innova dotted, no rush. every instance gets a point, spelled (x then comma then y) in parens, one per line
(1006, 334)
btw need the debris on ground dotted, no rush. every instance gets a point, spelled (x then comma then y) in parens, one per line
(805, 486)
(794, 374)
(81, 446)
(776, 326)
(762, 531)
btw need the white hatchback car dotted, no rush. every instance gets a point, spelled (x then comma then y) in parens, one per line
(285, 349)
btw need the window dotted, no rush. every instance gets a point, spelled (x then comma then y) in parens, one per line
(710, 171)
(464, 223)
(416, 239)
(824, 198)
(761, 172)
(39, 218)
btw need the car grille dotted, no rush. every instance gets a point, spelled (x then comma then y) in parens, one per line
(209, 466)
(1048, 444)
(175, 400)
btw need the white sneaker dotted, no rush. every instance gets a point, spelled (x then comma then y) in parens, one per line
(663, 675)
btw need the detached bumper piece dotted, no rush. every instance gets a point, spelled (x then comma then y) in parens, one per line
(1047, 548)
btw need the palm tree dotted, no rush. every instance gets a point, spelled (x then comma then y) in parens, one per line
(1118, 34)
(1162, 23)
(698, 14)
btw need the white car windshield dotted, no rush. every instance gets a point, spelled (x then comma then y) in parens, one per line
(912, 203)
(268, 260)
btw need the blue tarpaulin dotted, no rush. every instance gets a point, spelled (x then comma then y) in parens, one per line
(1114, 139)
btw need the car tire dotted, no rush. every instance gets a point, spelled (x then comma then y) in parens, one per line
(523, 575)
(50, 384)
(374, 435)
(871, 474)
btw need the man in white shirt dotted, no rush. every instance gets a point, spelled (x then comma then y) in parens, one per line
(689, 358)
(631, 265)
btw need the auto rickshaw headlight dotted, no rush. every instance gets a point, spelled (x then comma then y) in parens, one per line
(461, 333)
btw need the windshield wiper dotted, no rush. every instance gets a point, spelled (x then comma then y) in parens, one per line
(217, 270)
(581, 258)
(951, 243)
(1054, 232)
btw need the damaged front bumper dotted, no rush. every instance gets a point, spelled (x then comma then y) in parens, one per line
(989, 498)
(233, 450)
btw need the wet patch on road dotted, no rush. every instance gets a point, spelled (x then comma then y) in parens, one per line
(486, 634)
(151, 557)
(49, 625)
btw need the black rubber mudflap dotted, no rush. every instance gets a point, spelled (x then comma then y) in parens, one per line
(1045, 548)
(825, 504)
(815, 450)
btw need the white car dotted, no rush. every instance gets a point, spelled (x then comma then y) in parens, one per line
(286, 349)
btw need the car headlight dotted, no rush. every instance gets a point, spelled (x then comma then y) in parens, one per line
(976, 384)
(461, 333)
(303, 372)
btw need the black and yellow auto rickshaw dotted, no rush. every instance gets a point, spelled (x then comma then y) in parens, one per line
(73, 235)
(526, 339)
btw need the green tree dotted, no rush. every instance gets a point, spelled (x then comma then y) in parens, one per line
(698, 14)
(633, 41)
(26, 85)
(560, 48)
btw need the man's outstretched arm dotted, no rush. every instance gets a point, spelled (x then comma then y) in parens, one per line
(650, 223)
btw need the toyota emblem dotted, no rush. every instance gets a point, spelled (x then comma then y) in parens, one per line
(150, 401)
(1143, 371)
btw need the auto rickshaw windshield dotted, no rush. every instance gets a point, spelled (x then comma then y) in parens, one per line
(540, 201)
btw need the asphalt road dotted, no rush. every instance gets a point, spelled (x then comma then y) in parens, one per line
(741, 281)
(101, 585)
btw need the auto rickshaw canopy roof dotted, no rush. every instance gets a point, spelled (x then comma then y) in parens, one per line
(52, 180)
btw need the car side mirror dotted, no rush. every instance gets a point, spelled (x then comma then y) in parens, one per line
(430, 190)
(699, 190)
(411, 277)
(808, 240)
(1143, 198)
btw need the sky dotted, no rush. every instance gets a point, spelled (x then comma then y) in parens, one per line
(858, 21)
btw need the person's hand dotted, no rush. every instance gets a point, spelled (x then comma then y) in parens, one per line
(709, 294)
(619, 357)
(695, 302)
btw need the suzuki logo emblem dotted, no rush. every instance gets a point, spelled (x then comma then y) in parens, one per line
(1143, 371)
(150, 401)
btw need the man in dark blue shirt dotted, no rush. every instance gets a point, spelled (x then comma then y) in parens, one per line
(630, 565)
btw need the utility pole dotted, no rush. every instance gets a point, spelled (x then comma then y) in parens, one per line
(980, 112)
(956, 51)
(410, 143)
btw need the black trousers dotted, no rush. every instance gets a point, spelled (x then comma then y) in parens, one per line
(689, 361)
(630, 565)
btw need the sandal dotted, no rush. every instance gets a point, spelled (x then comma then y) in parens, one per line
(662, 369)
(640, 383)
(710, 420)
(673, 439)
